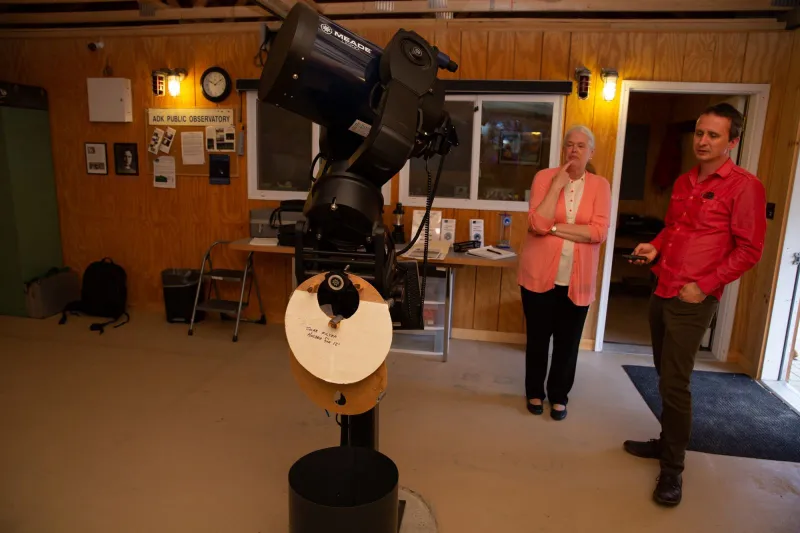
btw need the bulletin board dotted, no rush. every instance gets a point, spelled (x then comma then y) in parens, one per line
(164, 135)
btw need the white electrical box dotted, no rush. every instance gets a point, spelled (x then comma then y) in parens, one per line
(110, 100)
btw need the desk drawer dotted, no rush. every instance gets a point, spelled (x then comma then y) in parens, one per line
(427, 342)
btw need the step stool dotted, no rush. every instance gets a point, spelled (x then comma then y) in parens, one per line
(227, 307)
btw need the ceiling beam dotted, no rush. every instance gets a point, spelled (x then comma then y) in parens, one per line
(281, 8)
(180, 14)
(482, 6)
(511, 25)
(22, 2)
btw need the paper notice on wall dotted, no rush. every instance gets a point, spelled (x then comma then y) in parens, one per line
(449, 230)
(164, 172)
(155, 140)
(435, 219)
(220, 138)
(192, 148)
(166, 142)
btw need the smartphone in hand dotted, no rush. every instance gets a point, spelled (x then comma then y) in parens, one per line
(631, 257)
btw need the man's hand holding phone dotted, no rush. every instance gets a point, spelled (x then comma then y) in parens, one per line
(643, 254)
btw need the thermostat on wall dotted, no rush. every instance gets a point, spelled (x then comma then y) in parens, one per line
(109, 100)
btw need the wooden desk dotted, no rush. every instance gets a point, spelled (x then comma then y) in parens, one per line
(449, 264)
(452, 259)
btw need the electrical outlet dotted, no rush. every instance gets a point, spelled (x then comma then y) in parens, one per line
(770, 210)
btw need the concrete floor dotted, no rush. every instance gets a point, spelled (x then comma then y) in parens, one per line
(145, 429)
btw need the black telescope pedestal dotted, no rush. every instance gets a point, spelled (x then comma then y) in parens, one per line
(344, 489)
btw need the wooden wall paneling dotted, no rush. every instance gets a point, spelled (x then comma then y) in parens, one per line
(464, 291)
(174, 51)
(583, 53)
(760, 48)
(449, 42)
(429, 35)
(488, 283)
(555, 56)
(464, 297)
(487, 298)
(670, 54)
(757, 315)
(510, 315)
(12, 60)
(640, 62)
(463, 217)
(699, 59)
(612, 51)
(141, 225)
(729, 58)
(759, 58)
(500, 55)
(528, 55)
(474, 53)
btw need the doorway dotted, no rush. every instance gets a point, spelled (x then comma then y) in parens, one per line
(654, 147)
(658, 149)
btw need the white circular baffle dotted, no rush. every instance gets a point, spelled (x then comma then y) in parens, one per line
(342, 369)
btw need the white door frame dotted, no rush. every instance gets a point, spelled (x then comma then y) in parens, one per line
(784, 310)
(751, 150)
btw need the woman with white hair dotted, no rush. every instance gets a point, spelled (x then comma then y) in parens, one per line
(568, 221)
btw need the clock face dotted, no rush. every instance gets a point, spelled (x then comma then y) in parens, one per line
(214, 84)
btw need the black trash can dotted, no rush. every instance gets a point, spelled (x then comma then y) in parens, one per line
(344, 489)
(180, 288)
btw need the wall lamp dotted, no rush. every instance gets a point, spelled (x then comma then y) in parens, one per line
(609, 77)
(583, 76)
(169, 79)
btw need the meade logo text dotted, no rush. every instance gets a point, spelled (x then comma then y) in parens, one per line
(352, 42)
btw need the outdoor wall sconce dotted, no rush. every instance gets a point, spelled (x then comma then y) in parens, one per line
(610, 77)
(168, 80)
(583, 76)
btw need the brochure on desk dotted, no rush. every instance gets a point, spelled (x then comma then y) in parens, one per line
(437, 250)
(491, 252)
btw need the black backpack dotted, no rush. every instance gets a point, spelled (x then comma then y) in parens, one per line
(104, 293)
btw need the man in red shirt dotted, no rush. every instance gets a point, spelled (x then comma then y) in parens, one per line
(714, 232)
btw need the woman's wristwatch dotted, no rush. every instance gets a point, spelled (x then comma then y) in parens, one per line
(553, 229)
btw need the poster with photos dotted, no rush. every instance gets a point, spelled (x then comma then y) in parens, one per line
(166, 142)
(96, 158)
(155, 141)
(220, 138)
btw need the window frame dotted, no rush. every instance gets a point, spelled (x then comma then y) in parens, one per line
(253, 192)
(473, 202)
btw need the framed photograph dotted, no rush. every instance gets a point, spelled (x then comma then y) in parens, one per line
(126, 159)
(96, 158)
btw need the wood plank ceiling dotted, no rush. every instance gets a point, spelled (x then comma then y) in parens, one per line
(31, 14)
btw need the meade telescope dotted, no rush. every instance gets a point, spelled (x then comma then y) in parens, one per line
(376, 109)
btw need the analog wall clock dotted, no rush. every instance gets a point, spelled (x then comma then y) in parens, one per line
(216, 84)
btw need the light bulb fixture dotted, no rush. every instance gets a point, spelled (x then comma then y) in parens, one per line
(583, 76)
(168, 80)
(610, 77)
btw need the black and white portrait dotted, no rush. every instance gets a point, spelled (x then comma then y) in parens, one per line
(126, 159)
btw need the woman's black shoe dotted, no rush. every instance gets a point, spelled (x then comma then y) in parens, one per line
(558, 415)
(535, 409)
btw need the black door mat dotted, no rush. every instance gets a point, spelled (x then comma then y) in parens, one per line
(732, 414)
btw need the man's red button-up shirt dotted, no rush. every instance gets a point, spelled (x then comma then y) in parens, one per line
(714, 231)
